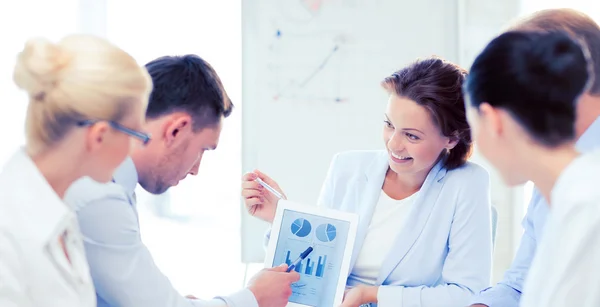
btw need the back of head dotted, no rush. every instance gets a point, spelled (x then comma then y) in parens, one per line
(576, 24)
(537, 77)
(82, 77)
(436, 85)
(187, 84)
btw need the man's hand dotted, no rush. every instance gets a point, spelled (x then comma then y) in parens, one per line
(273, 287)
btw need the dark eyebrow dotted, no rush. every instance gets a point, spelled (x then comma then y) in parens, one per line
(405, 129)
(413, 129)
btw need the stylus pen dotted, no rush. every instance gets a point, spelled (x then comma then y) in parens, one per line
(302, 256)
(270, 188)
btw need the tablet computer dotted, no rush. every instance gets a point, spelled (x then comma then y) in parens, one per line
(331, 234)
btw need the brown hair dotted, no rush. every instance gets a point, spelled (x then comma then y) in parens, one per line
(574, 23)
(436, 85)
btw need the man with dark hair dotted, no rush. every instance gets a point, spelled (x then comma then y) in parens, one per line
(184, 118)
(507, 293)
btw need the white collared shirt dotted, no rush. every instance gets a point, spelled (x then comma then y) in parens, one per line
(566, 268)
(34, 267)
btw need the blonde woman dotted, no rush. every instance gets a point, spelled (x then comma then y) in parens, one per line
(87, 98)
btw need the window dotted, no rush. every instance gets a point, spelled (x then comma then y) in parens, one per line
(23, 20)
(193, 230)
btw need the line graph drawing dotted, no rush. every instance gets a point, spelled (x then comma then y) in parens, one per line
(301, 83)
(313, 48)
(295, 72)
(321, 67)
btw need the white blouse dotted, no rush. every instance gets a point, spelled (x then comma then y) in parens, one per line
(566, 267)
(34, 268)
(386, 223)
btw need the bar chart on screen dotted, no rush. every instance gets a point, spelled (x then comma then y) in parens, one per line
(307, 266)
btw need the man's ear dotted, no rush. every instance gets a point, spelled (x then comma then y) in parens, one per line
(176, 127)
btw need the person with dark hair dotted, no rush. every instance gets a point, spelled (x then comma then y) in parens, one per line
(425, 230)
(507, 293)
(523, 91)
(184, 117)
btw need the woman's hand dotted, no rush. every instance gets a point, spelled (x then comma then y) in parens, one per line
(360, 295)
(259, 201)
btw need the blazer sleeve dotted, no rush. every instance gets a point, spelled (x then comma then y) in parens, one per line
(467, 268)
(328, 188)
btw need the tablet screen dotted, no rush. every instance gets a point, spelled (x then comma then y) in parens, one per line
(319, 272)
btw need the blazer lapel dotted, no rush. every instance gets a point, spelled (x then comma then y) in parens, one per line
(368, 191)
(417, 218)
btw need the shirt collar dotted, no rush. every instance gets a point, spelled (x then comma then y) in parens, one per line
(126, 175)
(590, 139)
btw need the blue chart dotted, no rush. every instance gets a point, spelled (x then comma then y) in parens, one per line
(288, 260)
(326, 232)
(301, 227)
(310, 265)
(321, 266)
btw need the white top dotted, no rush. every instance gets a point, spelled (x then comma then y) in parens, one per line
(566, 268)
(387, 221)
(34, 270)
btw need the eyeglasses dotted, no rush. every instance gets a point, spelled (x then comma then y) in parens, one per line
(144, 137)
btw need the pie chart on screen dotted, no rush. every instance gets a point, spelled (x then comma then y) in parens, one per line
(301, 227)
(326, 232)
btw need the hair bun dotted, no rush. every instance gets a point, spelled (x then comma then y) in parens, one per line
(557, 64)
(555, 54)
(38, 67)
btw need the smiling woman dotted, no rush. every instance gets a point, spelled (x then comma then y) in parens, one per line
(424, 123)
(425, 231)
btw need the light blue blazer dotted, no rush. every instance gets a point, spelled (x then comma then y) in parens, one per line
(443, 253)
